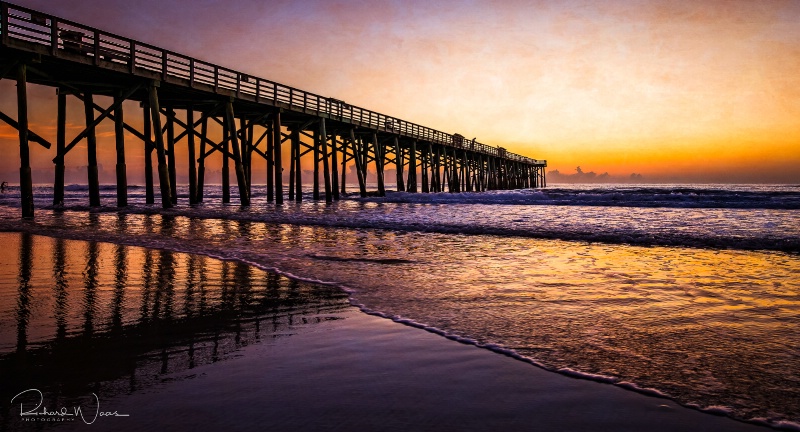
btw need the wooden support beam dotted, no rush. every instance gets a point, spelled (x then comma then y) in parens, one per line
(32, 136)
(344, 167)
(192, 161)
(61, 141)
(364, 146)
(378, 149)
(334, 168)
(241, 180)
(424, 168)
(220, 147)
(91, 148)
(433, 167)
(398, 164)
(171, 162)
(226, 178)
(292, 166)
(467, 172)
(270, 163)
(107, 112)
(203, 118)
(254, 146)
(437, 168)
(25, 180)
(4, 70)
(483, 173)
(121, 169)
(298, 172)
(362, 184)
(412, 167)
(110, 115)
(276, 130)
(462, 172)
(218, 121)
(247, 154)
(201, 162)
(326, 171)
(148, 154)
(446, 173)
(316, 149)
(453, 179)
(163, 172)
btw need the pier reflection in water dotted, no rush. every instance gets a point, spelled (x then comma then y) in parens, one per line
(78, 317)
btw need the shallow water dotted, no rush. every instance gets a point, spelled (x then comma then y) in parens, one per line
(78, 318)
(709, 327)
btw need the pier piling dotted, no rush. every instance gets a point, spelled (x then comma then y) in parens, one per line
(25, 179)
(91, 148)
(119, 136)
(61, 141)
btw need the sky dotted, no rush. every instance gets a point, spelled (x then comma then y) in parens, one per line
(677, 91)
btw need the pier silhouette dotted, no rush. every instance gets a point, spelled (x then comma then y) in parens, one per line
(180, 96)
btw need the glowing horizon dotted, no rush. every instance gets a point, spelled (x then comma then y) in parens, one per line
(675, 91)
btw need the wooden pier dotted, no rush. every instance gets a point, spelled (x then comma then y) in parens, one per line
(180, 96)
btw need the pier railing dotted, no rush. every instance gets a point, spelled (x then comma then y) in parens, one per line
(25, 28)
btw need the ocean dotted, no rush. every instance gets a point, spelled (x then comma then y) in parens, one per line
(687, 292)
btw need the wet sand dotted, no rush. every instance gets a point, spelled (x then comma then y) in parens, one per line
(368, 373)
(182, 342)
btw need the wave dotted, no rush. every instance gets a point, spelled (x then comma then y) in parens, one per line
(777, 197)
(767, 235)
(676, 197)
(746, 217)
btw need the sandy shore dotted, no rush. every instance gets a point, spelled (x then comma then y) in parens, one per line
(368, 373)
(270, 354)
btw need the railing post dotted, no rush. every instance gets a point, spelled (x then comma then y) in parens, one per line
(132, 57)
(96, 47)
(191, 72)
(163, 65)
(4, 23)
(54, 37)
(216, 79)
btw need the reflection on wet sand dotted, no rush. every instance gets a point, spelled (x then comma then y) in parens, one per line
(111, 319)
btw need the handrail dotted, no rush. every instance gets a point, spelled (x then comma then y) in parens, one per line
(61, 35)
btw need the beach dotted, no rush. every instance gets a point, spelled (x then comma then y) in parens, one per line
(312, 362)
(670, 306)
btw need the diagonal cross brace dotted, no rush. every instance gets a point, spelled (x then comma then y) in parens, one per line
(197, 123)
(214, 146)
(31, 135)
(100, 118)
